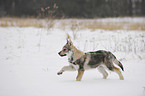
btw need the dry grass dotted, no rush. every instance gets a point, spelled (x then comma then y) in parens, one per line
(79, 23)
(114, 26)
(20, 22)
(98, 24)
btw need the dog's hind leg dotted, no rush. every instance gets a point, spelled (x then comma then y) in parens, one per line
(117, 70)
(66, 68)
(103, 71)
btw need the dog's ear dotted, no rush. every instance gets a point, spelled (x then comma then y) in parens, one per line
(68, 36)
(69, 42)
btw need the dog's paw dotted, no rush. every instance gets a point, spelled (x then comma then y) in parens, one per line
(59, 73)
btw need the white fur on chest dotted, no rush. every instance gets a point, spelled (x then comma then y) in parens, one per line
(70, 54)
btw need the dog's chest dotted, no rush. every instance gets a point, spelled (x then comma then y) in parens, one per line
(71, 60)
(70, 57)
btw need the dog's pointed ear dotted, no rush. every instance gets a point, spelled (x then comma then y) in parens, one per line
(69, 42)
(67, 37)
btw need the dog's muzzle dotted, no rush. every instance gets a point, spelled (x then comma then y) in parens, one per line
(61, 54)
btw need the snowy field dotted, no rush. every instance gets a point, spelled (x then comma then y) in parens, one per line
(29, 62)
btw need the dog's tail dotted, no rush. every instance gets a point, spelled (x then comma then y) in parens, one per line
(116, 61)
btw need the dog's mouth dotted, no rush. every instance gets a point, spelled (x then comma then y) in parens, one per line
(61, 54)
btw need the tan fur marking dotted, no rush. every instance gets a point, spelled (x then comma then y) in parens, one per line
(62, 52)
(77, 53)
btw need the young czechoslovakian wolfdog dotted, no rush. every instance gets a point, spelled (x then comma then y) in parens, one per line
(81, 61)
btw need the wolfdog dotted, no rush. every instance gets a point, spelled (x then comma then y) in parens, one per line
(81, 61)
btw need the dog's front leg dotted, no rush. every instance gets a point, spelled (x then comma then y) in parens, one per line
(66, 68)
(80, 74)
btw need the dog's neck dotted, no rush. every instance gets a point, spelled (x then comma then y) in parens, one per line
(74, 54)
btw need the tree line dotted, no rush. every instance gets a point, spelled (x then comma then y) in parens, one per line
(72, 8)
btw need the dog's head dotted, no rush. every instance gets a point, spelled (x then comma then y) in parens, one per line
(66, 48)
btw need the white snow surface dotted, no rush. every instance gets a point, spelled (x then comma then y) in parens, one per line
(29, 63)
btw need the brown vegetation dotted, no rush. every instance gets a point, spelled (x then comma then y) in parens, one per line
(78, 24)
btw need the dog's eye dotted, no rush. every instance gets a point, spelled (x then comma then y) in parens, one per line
(64, 49)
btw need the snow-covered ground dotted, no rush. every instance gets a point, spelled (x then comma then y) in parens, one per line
(29, 62)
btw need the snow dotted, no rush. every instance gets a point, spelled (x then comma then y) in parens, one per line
(29, 62)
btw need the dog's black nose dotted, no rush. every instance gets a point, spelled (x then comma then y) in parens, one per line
(59, 52)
